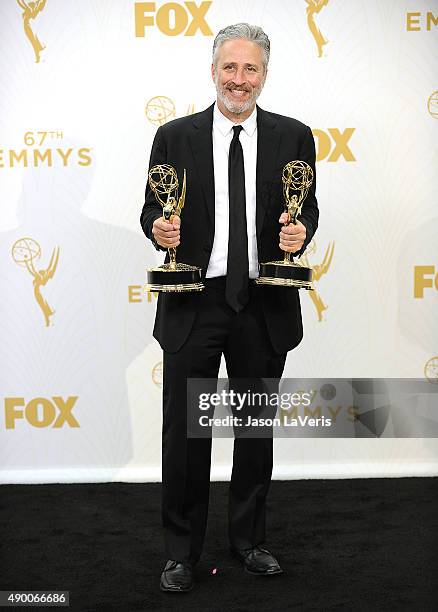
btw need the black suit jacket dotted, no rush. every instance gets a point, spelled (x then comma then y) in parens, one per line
(188, 143)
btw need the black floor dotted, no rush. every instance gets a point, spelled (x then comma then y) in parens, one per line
(348, 545)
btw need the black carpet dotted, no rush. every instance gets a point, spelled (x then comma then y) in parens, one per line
(368, 544)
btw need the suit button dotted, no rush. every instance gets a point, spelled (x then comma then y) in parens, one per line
(206, 248)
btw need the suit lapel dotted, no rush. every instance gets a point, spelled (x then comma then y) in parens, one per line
(268, 141)
(201, 141)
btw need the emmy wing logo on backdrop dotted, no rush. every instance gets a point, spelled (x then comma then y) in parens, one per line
(318, 272)
(432, 105)
(30, 11)
(25, 252)
(157, 374)
(314, 7)
(431, 370)
(161, 109)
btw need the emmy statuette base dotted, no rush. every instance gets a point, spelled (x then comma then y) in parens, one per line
(174, 279)
(285, 274)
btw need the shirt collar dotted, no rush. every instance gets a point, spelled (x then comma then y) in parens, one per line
(225, 125)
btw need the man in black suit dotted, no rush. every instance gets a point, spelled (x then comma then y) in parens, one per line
(234, 153)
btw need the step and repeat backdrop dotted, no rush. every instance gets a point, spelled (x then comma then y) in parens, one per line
(84, 86)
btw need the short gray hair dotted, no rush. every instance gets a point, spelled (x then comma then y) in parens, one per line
(247, 32)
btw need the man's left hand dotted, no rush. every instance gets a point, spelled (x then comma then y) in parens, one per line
(292, 236)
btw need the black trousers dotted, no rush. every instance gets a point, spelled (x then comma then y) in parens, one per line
(243, 340)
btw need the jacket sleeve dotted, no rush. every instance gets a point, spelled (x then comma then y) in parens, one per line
(152, 210)
(309, 212)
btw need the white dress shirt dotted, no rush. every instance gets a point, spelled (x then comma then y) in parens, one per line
(222, 136)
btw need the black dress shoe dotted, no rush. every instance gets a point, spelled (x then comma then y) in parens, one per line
(258, 561)
(177, 577)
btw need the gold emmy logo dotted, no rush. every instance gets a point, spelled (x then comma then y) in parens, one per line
(157, 374)
(318, 271)
(425, 277)
(431, 370)
(432, 104)
(24, 252)
(30, 11)
(172, 18)
(314, 7)
(161, 109)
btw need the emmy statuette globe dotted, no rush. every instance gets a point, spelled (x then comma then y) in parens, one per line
(172, 276)
(297, 179)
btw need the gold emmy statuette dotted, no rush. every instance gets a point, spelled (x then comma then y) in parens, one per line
(313, 8)
(30, 11)
(297, 179)
(172, 276)
(25, 252)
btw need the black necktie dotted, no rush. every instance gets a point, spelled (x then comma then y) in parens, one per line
(236, 291)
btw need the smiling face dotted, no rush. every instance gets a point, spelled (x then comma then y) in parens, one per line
(239, 76)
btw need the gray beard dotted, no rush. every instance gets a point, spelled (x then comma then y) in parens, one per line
(234, 107)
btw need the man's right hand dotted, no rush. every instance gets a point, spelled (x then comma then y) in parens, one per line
(166, 233)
